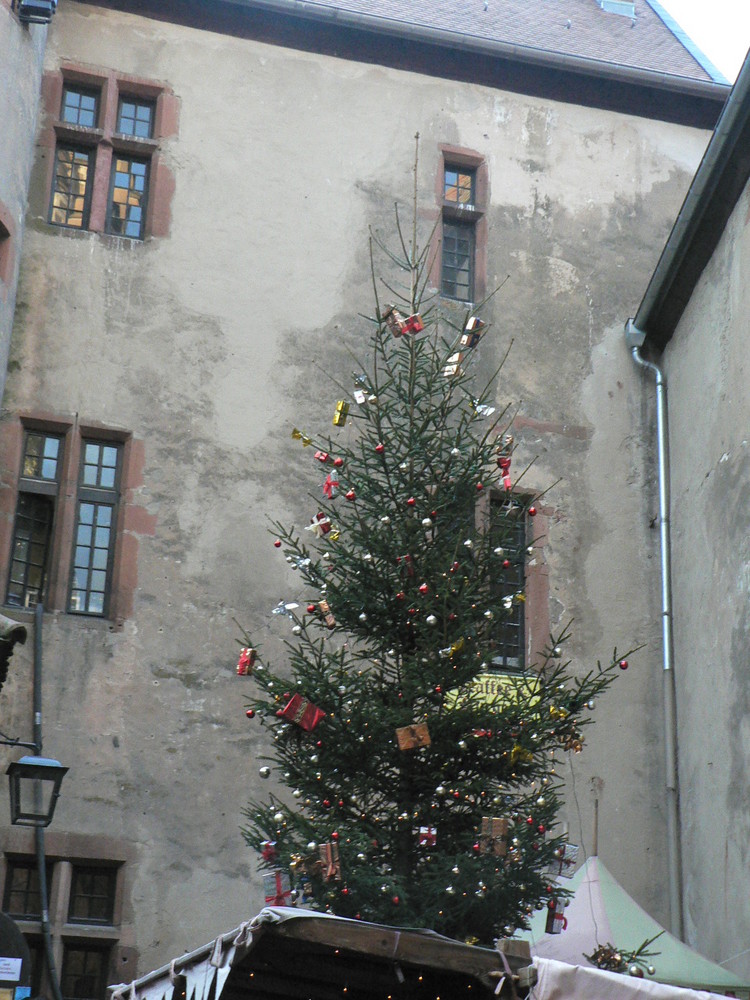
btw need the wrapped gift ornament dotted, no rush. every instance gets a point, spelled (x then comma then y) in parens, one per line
(277, 888)
(319, 525)
(325, 609)
(322, 456)
(556, 922)
(493, 836)
(413, 737)
(268, 850)
(398, 325)
(330, 862)
(504, 458)
(564, 864)
(427, 836)
(406, 564)
(246, 661)
(330, 486)
(301, 712)
(453, 365)
(342, 412)
(472, 332)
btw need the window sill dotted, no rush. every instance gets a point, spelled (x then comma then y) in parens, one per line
(78, 133)
(133, 144)
(94, 932)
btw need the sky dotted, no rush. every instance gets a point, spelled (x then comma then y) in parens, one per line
(720, 28)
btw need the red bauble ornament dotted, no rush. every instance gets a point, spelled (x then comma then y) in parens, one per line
(535, 846)
(530, 820)
(401, 596)
(326, 803)
(277, 543)
(624, 664)
(552, 904)
(476, 848)
(433, 514)
(541, 828)
(338, 462)
(310, 609)
(345, 891)
(319, 743)
(480, 486)
(335, 834)
(506, 563)
(250, 713)
(350, 495)
(532, 511)
(396, 900)
(438, 689)
(411, 501)
(412, 611)
(380, 448)
(451, 617)
(423, 588)
(457, 794)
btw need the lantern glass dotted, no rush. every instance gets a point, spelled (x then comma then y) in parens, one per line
(34, 789)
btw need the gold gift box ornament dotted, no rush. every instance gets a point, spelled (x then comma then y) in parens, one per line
(413, 737)
(493, 836)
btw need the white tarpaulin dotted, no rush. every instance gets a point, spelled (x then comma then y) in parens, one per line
(560, 981)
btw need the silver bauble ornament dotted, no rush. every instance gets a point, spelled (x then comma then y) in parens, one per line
(264, 772)
(278, 817)
(312, 847)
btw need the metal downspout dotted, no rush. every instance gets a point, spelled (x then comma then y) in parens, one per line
(635, 339)
(41, 859)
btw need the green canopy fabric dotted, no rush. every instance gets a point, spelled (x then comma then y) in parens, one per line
(601, 912)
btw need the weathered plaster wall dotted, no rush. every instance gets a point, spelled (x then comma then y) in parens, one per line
(210, 344)
(707, 364)
(20, 75)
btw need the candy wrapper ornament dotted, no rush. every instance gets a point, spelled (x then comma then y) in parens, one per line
(277, 888)
(556, 922)
(299, 436)
(564, 864)
(246, 661)
(472, 332)
(493, 836)
(268, 850)
(301, 712)
(330, 862)
(520, 755)
(330, 486)
(320, 525)
(342, 412)
(413, 737)
(427, 836)
(325, 610)
(285, 608)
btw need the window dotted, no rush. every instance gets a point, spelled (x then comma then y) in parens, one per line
(84, 907)
(458, 260)
(35, 511)
(71, 191)
(509, 636)
(21, 898)
(107, 135)
(92, 895)
(127, 199)
(79, 106)
(95, 528)
(463, 230)
(135, 117)
(68, 548)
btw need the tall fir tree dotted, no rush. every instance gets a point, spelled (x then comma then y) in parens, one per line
(416, 798)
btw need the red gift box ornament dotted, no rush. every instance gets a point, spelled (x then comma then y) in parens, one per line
(277, 888)
(322, 456)
(398, 325)
(556, 922)
(427, 836)
(320, 525)
(329, 486)
(246, 661)
(503, 459)
(301, 712)
(268, 850)
(413, 324)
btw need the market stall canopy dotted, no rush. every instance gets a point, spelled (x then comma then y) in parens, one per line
(290, 954)
(560, 981)
(601, 912)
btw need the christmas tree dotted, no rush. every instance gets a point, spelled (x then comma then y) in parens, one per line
(416, 798)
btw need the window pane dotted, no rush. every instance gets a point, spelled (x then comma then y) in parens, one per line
(93, 549)
(127, 198)
(84, 972)
(135, 117)
(30, 549)
(22, 899)
(510, 533)
(458, 261)
(40, 457)
(92, 895)
(459, 186)
(70, 187)
(79, 106)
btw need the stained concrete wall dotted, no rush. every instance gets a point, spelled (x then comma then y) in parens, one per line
(20, 78)
(212, 343)
(706, 364)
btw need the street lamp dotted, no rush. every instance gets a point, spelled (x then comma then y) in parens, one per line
(34, 789)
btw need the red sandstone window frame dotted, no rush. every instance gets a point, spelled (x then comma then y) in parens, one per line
(108, 144)
(474, 216)
(7, 250)
(121, 574)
